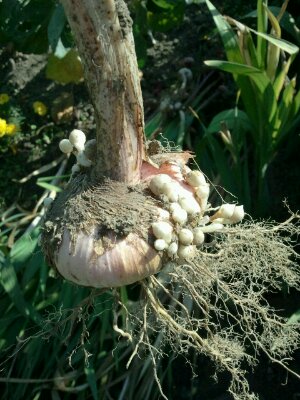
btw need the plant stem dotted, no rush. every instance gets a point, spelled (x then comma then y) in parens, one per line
(103, 34)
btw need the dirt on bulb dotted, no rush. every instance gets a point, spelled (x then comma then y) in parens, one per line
(111, 206)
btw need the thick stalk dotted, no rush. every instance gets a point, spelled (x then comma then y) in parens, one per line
(103, 34)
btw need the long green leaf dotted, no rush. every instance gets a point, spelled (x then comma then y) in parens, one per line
(227, 34)
(257, 75)
(262, 26)
(282, 44)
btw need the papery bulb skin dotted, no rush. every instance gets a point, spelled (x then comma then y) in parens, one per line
(128, 261)
(100, 235)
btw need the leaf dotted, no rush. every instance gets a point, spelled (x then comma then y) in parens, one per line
(167, 4)
(23, 249)
(282, 44)
(227, 34)
(235, 119)
(48, 186)
(91, 378)
(56, 25)
(67, 69)
(257, 75)
(10, 284)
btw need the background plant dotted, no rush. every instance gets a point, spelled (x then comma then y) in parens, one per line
(251, 137)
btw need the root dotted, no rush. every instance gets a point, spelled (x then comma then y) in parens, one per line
(216, 304)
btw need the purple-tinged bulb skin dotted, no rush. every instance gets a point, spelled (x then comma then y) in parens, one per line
(129, 261)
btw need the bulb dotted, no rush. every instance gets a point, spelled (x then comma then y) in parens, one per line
(185, 236)
(162, 230)
(195, 178)
(198, 236)
(66, 146)
(160, 244)
(130, 260)
(189, 204)
(225, 211)
(157, 183)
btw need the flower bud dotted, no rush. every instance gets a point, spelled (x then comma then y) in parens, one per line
(65, 146)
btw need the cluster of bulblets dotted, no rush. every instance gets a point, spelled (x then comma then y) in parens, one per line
(77, 145)
(184, 222)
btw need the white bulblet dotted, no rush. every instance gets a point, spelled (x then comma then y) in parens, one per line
(162, 230)
(195, 178)
(77, 137)
(65, 146)
(180, 216)
(157, 183)
(185, 236)
(174, 206)
(202, 191)
(238, 214)
(214, 227)
(227, 210)
(172, 249)
(186, 252)
(160, 244)
(198, 236)
(190, 205)
(171, 190)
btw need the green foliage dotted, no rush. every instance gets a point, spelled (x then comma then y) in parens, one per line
(65, 69)
(25, 23)
(270, 100)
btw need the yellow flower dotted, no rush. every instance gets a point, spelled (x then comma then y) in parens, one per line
(40, 108)
(11, 129)
(2, 127)
(4, 98)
